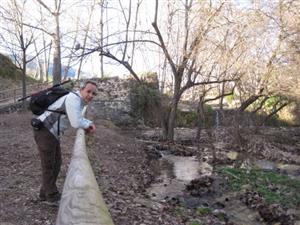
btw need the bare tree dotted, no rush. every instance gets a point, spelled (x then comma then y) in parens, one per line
(56, 39)
(102, 5)
(39, 69)
(86, 31)
(263, 73)
(191, 68)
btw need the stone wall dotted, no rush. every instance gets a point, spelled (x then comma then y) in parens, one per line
(113, 100)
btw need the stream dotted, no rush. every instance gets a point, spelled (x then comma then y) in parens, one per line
(174, 173)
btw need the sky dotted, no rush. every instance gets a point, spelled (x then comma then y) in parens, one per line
(145, 60)
(115, 20)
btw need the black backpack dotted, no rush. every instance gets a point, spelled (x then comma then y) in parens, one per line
(40, 101)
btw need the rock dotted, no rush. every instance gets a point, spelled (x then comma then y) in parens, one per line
(275, 213)
(289, 169)
(205, 169)
(218, 205)
(232, 155)
(149, 204)
(264, 165)
(220, 214)
(246, 187)
(198, 187)
(252, 199)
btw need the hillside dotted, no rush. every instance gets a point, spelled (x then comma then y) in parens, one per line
(10, 76)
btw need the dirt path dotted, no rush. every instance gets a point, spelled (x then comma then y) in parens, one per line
(119, 164)
(20, 173)
(122, 169)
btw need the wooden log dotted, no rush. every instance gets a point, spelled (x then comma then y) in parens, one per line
(82, 202)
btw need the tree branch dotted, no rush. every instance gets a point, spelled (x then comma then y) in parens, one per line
(219, 96)
(90, 51)
(124, 63)
(45, 6)
(260, 105)
(160, 38)
(274, 112)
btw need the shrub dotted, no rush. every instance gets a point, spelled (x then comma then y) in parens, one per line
(186, 119)
(145, 103)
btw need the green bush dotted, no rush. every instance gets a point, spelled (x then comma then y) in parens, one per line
(190, 118)
(229, 98)
(186, 119)
(145, 102)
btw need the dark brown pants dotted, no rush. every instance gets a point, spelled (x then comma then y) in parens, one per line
(50, 154)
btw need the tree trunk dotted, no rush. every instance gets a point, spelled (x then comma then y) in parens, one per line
(172, 116)
(171, 123)
(41, 71)
(101, 40)
(250, 100)
(24, 74)
(47, 63)
(164, 123)
(237, 134)
(56, 54)
(200, 124)
(222, 97)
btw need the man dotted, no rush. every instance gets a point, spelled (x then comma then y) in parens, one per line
(47, 136)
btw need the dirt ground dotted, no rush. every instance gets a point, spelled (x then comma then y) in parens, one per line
(121, 166)
(119, 163)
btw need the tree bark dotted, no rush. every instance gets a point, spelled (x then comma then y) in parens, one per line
(24, 73)
(164, 123)
(101, 38)
(57, 53)
(200, 123)
(260, 105)
(171, 121)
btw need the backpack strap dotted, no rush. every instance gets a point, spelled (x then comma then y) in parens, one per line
(61, 113)
(58, 111)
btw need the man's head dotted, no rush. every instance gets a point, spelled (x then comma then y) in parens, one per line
(88, 91)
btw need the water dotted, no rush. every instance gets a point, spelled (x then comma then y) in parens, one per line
(186, 168)
(239, 213)
(175, 173)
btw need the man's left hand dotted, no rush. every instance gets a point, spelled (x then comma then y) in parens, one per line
(90, 129)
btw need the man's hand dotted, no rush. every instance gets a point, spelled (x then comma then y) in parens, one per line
(90, 129)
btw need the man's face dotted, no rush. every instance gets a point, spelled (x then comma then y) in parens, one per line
(88, 92)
